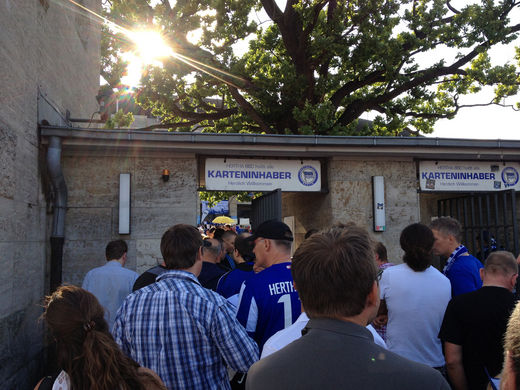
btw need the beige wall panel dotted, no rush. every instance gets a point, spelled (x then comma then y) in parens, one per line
(148, 253)
(93, 215)
(94, 181)
(350, 185)
(310, 211)
(149, 190)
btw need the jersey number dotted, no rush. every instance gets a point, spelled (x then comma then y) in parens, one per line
(287, 310)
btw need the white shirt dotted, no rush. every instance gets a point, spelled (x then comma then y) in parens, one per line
(416, 304)
(286, 336)
(111, 284)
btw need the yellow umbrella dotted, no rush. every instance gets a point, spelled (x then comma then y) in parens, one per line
(224, 220)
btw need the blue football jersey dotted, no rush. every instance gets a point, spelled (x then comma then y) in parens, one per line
(268, 302)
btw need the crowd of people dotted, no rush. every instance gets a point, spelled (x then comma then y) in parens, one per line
(232, 311)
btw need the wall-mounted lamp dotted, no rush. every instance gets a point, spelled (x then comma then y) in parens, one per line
(124, 203)
(378, 194)
(165, 175)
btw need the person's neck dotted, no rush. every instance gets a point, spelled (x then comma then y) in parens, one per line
(120, 261)
(212, 261)
(496, 283)
(453, 247)
(239, 260)
(361, 319)
(281, 259)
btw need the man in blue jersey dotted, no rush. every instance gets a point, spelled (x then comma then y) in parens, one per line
(268, 301)
(462, 269)
(229, 285)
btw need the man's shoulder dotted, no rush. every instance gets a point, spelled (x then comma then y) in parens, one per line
(180, 287)
(305, 359)
(279, 272)
(467, 262)
(257, 283)
(129, 272)
(96, 272)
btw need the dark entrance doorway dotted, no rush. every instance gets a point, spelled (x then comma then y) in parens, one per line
(485, 217)
(266, 207)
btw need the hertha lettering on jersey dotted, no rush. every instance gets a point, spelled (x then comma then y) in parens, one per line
(268, 302)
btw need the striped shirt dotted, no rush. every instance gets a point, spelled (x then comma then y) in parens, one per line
(184, 332)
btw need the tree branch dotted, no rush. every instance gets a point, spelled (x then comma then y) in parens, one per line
(451, 8)
(351, 86)
(199, 116)
(173, 125)
(273, 11)
(249, 109)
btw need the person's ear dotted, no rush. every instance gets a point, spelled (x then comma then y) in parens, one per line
(482, 272)
(373, 296)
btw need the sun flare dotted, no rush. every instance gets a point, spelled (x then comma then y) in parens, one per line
(150, 45)
(149, 49)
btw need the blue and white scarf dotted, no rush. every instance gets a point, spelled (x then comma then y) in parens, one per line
(461, 249)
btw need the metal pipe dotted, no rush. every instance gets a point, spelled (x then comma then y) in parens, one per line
(60, 207)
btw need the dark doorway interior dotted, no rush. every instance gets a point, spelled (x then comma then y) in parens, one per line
(266, 207)
(489, 220)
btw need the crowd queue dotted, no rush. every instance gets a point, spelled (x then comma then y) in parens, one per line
(233, 311)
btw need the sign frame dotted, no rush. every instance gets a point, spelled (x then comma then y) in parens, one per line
(468, 176)
(262, 175)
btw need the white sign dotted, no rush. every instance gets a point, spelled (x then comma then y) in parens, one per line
(262, 175)
(468, 176)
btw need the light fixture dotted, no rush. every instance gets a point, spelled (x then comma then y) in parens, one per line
(165, 175)
(124, 203)
(378, 194)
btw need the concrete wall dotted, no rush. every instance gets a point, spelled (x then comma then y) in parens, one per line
(93, 212)
(350, 199)
(43, 46)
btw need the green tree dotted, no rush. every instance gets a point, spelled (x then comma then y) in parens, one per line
(318, 65)
(119, 120)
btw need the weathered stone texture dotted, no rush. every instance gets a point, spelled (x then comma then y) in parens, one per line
(350, 183)
(350, 199)
(149, 254)
(53, 51)
(7, 162)
(80, 256)
(21, 353)
(93, 215)
(311, 211)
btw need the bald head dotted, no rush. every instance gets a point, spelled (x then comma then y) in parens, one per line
(211, 253)
(500, 269)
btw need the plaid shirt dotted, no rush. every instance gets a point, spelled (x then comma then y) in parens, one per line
(183, 332)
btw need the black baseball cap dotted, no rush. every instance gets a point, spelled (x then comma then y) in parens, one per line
(272, 229)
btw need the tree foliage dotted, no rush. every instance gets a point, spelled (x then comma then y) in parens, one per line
(119, 119)
(317, 65)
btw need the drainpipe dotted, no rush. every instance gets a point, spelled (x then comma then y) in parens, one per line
(60, 207)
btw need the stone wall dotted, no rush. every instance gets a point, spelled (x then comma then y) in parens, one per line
(46, 47)
(350, 199)
(93, 207)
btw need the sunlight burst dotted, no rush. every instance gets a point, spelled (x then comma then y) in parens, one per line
(150, 48)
